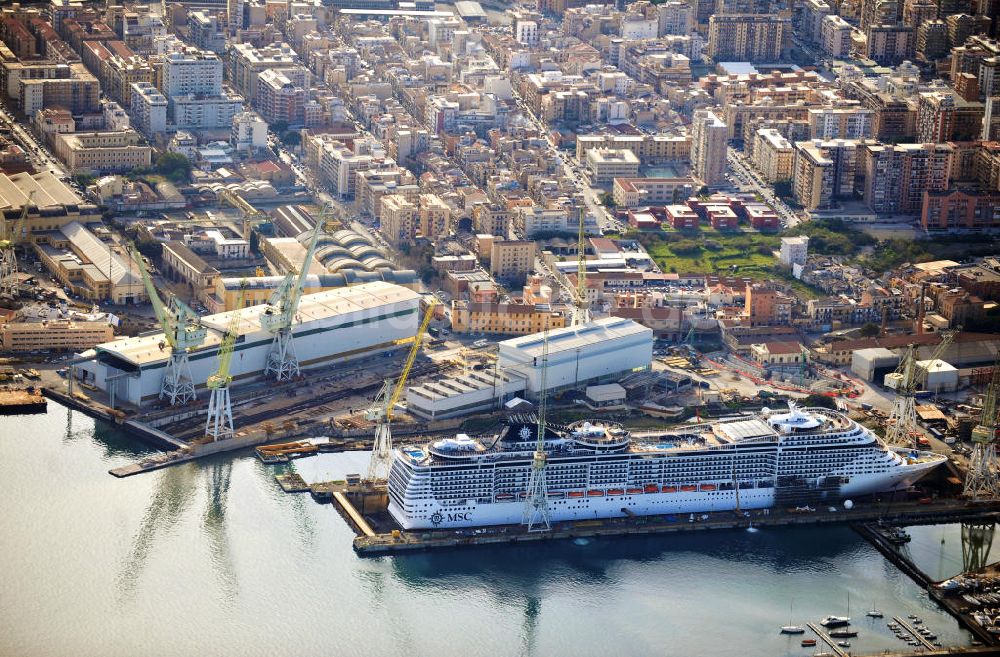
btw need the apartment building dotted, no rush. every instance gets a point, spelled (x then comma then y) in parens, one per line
(836, 36)
(648, 148)
(512, 260)
(890, 44)
(504, 318)
(435, 216)
(400, 219)
(773, 155)
(960, 210)
(192, 71)
(149, 109)
(841, 123)
(896, 176)
(747, 37)
(823, 172)
(709, 136)
(639, 192)
(943, 116)
(246, 61)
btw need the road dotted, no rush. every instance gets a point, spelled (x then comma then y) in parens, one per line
(748, 176)
(37, 152)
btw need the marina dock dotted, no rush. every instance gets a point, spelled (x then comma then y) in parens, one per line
(912, 631)
(827, 639)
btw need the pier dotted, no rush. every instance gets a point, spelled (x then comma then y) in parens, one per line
(828, 640)
(912, 631)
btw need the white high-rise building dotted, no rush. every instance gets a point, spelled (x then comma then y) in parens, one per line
(249, 132)
(709, 136)
(794, 250)
(192, 72)
(149, 109)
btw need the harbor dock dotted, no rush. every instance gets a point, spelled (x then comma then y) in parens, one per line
(827, 639)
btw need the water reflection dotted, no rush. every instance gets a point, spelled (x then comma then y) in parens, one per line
(173, 492)
(218, 475)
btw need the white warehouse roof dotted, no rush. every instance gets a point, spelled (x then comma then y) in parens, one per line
(571, 338)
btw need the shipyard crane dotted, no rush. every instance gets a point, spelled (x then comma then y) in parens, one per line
(982, 480)
(536, 502)
(10, 235)
(581, 313)
(219, 421)
(901, 426)
(250, 213)
(279, 315)
(182, 332)
(380, 411)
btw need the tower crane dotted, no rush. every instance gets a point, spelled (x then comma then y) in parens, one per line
(280, 314)
(901, 426)
(182, 331)
(219, 422)
(380, 411)
(536, 502)
(982, 480)
(581, 315)
(10, 235)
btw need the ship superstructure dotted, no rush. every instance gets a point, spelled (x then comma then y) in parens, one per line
(597, 469)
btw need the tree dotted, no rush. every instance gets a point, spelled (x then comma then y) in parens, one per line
(870, 330)
(175, 166)
(608, 201)
(279, 127)
(291, 138)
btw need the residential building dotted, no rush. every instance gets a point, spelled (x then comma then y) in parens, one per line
(824, 172)
(836, 36)
(773, 155)
(504, 318)
(192, 72)
(400, 220)
(766, 306)
(246, 61)
(149, 109)
(639, 192)
(943, 117)
(957, 209)
(890, 44)
(249, 132)
(794, 250)
(709, 136)
(896, 176)
(841, 123)
(747, 37)
(434, 217)
(605, 165)
(512, 260)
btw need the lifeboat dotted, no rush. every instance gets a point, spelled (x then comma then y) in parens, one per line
(670, 489)
(574, 493)
(689, 488)
(616, 491)
(522, 495)
(634, 491)
(555, 495)
(595, 493)
(652, 488)
(708, 487)
(503, 497)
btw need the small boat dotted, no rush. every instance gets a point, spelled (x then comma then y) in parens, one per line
(616, 491)
(793, 629)
(930, 636)
(912, 617)
(874, 613)
(708, 487)
(843, 634)
(670, 489)
(808, 643)
(689, 488)
(652, 488)
(634, 491)
(844, 644)
(917, 621)
(574, 494)
(595, 493)
(835, 621)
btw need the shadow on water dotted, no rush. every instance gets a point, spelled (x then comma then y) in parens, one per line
(113, 441)
(522, 569)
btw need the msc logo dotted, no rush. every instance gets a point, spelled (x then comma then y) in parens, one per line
(437, 517)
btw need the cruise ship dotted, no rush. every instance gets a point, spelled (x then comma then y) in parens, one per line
(597, 469)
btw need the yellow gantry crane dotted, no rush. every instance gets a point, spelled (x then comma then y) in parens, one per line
(250, 213)
(381, 410)
(182, 332)
(219, 422)
(10, 235)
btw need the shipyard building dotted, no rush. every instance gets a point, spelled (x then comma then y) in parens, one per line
(600, 351)
(335, 325)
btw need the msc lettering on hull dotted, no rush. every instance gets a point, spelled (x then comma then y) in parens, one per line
(437, 518)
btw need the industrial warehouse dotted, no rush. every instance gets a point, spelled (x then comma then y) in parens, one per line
(339, 324)
(601, 350)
